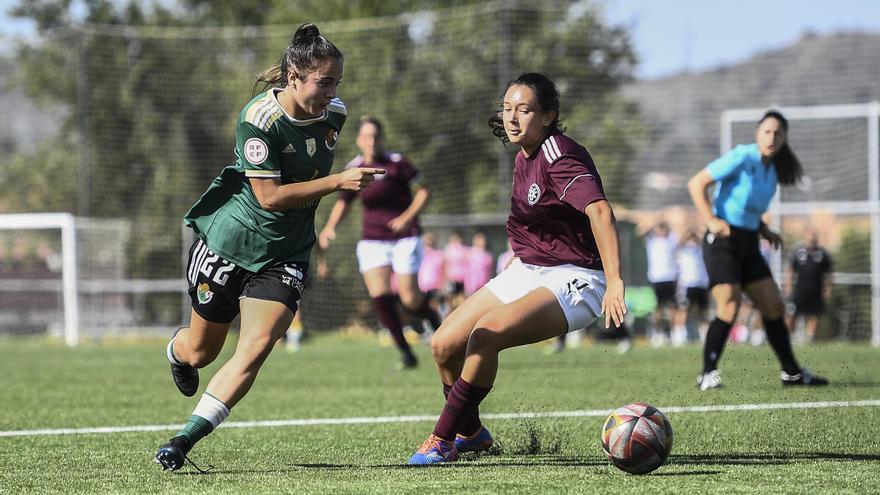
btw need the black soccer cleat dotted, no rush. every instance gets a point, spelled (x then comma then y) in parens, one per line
(185, 376)
(172, 455)
(804, 378)
(407, 362)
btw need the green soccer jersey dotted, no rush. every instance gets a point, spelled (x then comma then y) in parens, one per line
(269, 144)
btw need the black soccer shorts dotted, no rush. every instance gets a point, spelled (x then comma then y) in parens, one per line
(216, 285)
(735, 259)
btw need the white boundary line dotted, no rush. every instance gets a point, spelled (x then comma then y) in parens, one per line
(411, 419)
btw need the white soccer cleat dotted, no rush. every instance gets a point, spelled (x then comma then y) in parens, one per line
(709, 380)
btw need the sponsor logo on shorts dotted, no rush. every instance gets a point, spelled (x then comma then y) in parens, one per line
(204, 293)
(534, 194)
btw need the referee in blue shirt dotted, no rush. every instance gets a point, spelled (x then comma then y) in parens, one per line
(745, 181)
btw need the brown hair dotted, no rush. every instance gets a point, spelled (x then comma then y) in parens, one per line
(369, 119)
(548, 99)
(305, 51)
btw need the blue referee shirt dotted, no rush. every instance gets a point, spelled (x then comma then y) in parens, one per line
(744, 186)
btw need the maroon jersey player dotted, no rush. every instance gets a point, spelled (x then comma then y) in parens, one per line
(391, 240)
(565, 274)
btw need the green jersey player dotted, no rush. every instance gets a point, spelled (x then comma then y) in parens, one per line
(255, 227)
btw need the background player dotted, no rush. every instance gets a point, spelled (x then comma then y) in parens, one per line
(808, 280)
(661, 245)
(391, 239)
(693, 293)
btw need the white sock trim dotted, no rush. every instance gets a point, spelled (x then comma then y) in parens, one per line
(169, 352)
(210, 408)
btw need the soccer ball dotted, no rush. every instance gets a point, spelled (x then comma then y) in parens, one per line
(637, 438)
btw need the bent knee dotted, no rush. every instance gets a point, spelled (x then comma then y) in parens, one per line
(484, 338)
(446, 350)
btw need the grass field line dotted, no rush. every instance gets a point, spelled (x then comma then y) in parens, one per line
(410, 419)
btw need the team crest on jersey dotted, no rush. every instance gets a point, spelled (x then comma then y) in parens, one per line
(204, 293)
(255, 151)
(311, 147)
(331, 139)
(534, 193)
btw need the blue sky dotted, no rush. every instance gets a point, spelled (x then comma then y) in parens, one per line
(675, 35)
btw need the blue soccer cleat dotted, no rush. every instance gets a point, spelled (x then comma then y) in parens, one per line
(480, 441)
(435, 450)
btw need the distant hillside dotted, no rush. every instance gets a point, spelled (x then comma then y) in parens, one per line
(684, 111)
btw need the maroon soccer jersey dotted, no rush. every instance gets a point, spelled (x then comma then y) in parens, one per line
(387, 197)
(547, 225)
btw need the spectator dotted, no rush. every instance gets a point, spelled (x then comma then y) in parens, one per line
(808, 280)
(480, 263)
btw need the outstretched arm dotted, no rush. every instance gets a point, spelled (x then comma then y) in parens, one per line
(275, 196)
(604, 228)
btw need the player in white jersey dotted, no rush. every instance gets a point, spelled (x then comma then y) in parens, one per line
(693, 288)
(661, 245)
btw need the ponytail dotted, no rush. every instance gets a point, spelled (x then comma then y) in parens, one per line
(305, 51)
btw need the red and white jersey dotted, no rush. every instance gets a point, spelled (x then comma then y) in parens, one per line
(551, 188)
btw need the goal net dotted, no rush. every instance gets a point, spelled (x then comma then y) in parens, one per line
(70, 277)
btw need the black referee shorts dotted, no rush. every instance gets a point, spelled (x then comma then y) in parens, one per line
(735, 259)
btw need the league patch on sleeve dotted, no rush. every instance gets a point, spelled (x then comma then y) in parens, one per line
(255, 151)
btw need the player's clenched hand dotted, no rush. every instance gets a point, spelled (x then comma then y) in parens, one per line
(327, 234)
(358, 178)
(614, 304)
(399, 224)
(719, 227)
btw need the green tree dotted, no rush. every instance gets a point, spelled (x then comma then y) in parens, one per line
(153, 95)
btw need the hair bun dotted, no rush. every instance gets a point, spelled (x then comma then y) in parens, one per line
(307, 31)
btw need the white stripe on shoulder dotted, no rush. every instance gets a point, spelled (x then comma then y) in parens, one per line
(546, 155)
(565, 191)
(262, 174)
(549, 153)
(552, 140)
(337, 106)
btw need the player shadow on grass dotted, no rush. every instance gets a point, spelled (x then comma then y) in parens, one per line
(527, 460)
(776, 458)
(859, 384)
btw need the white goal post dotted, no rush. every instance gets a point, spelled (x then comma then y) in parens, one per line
(869, 206)
(67, 223)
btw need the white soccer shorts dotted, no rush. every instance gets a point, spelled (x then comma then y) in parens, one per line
(403, 255)
(578, 290)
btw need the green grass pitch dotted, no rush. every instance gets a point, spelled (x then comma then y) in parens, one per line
(47, 386)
